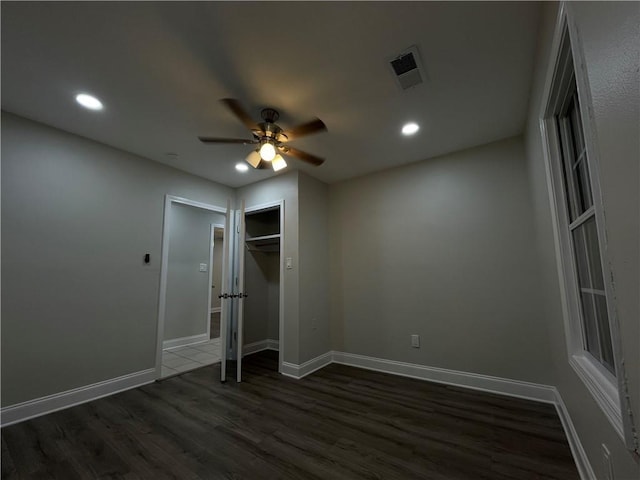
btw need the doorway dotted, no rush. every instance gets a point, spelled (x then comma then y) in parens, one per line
(191, 273)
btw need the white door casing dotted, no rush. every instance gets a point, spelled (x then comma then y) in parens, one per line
(240, 290)
(225, 287)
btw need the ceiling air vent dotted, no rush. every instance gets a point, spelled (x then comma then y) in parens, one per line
(407, 68)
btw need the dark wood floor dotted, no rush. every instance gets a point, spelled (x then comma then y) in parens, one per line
(338, 423)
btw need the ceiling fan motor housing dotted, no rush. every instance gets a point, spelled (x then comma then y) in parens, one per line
(269, 115)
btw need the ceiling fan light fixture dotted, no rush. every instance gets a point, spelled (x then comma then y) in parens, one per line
(278, 163)
(253, 159)
(267, 151)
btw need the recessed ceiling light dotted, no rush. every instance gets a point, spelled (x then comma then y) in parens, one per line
(89, 101)
(242, 167)
(410, 128)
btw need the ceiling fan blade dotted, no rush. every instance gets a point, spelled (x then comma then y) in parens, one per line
(304, 156)
(238, 110)
(227, 140)
(308, 128)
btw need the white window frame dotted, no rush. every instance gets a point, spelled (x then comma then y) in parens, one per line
(603, 386)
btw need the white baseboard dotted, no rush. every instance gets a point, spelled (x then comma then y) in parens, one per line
(579, 455)
(259, 346)
(184, 341)
(310, 366)
(485, 383)
(58, 401)
(215, 310)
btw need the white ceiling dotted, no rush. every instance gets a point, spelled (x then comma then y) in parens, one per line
(160, 69)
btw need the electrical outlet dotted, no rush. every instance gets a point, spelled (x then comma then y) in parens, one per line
(415, 341)
(608, 466)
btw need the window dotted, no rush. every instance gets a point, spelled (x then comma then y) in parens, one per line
(583, 232)
(592, 337)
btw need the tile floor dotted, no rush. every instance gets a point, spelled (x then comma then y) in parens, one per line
(182, 359)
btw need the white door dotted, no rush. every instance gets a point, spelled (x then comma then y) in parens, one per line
(240, 294)
(225, 289)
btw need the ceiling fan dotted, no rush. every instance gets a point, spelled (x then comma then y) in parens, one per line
(270, 140)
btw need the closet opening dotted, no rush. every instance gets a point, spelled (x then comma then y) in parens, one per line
(263, 283)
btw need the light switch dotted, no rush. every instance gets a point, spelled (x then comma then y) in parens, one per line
(203, 267)
(415, 341)
(289, 263)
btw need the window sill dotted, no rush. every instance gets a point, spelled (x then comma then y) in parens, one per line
(602, 389)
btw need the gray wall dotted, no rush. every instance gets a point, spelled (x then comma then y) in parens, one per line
(609, 34)
(187, 296)
(283, 187)
(314, 267)
(443, 248)
(262, 279)
(217, 268)
(79, 305)
(256, 317)
(273, 296)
